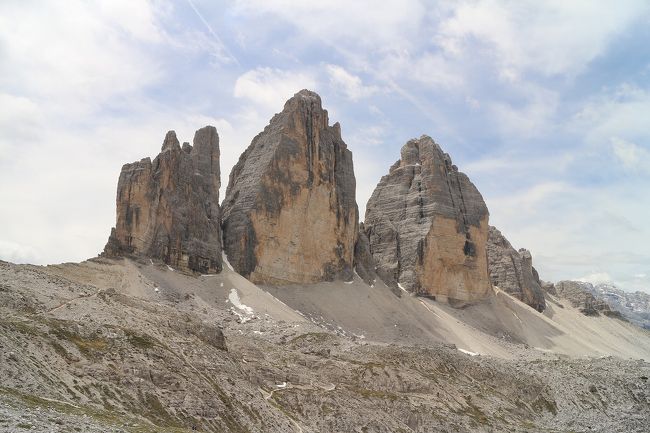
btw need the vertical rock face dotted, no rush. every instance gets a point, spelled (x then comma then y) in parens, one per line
(427, 225)
(512, 271)
(169, 208)
(290, 214)
(364, 264)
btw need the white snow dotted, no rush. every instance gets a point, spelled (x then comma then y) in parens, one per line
(225, 260)
(402, 287)
(281, 385)
(170, 268)
(467, 352)
(156, 290)
(151, 261)
(430, 310)
(247, 311)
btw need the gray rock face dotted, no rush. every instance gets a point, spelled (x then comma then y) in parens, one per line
(580, 296)
(364, 264)
(169, 208)
(512, 271)
(290, 214)
(427, 225)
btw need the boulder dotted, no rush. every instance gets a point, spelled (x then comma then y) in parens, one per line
(168, 209)
(427, 226)
(290, 214)
(512, 271)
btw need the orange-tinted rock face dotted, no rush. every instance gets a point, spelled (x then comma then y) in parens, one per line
(290, 214)
(169, 208)
(427, 226)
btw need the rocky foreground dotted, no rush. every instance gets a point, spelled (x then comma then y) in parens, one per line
(121, 346)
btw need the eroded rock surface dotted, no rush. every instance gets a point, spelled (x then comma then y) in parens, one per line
(168, 209)
(578, 293)
(428, 226)
(290, 214)
(512, 271)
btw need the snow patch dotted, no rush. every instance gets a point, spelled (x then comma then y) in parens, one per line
(224, 257)
(467, 352)
(430, 310)
(402, 287)
(233, 297)
(281, 385)
(244, 312)
(170, 268)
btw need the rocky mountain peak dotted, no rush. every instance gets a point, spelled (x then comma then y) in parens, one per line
(170, 142)
(168, 209)
(512, 271)
(427, 226)
(290, 214)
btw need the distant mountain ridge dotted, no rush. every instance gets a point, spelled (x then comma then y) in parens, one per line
(634, 306)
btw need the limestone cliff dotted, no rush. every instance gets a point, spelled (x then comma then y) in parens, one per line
(169, 208)
(290, 214)
(428, 226)
(512, 271)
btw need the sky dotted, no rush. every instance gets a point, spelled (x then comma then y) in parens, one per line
(544, 105)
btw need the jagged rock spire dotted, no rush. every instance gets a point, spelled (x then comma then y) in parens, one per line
(290, 214)
(427, 226)
(169, 208)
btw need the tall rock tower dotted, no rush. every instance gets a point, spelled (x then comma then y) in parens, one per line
(169, 208)
(513, 272)
(290, 214)
(427, 226)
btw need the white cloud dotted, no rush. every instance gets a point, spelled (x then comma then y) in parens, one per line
(619, 112)
(596, 278)
(342, 23)
(532, 199)
(270, 88)
(530, 119)
(349, 84)
(80, 54)
(578, 231)
(550, 37)
(632, 156)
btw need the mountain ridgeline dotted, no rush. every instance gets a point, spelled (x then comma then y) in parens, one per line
(290, 214)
